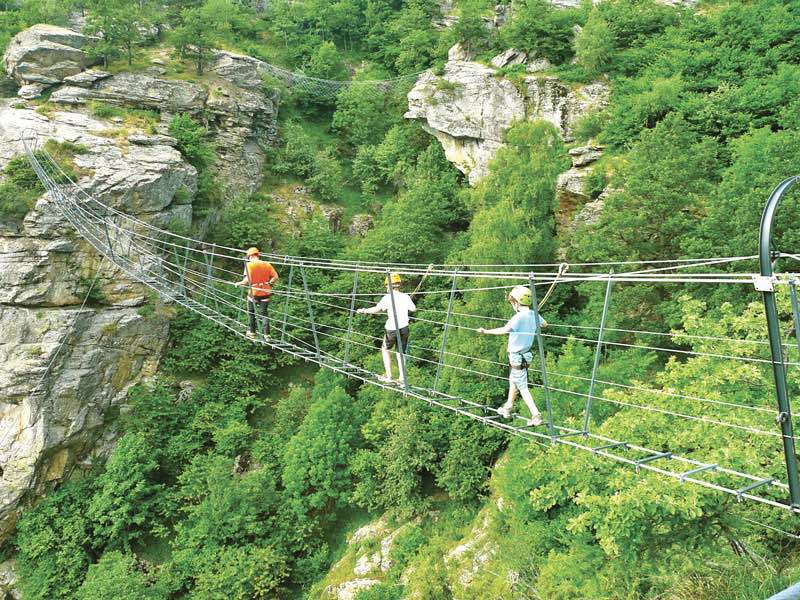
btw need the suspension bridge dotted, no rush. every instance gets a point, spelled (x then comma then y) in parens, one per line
(315, 320)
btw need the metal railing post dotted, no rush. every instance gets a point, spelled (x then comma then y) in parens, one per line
(795, 311)
(310, 312)
(398, 339)
(542, 360)
(444, 333)
(346, 356)
(286, 302)
(765, 284)
(597, 351)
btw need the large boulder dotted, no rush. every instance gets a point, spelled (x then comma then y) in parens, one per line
(45, 54)
(469, 108)
(54, 398)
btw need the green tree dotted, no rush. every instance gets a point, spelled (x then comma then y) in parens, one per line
(54, 542)
(665, 185)
(326, 63)
(364, 113)
(117, 27)
(202, 28)
(327, 179)
(541, 30)
(594, 46)
(116, 576)
(316, 471)
(128, 495)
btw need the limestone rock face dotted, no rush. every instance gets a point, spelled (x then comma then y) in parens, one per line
(241, 118)
(8, 581)
(575, 206)
(45, 54)
(45, 271)
(86, 78)
(470, 108)
(138, 90)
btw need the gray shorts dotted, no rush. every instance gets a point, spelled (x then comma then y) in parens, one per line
(518, 373)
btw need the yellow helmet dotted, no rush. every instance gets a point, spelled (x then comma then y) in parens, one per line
(253, 251)
(521, 294)
(395, 279)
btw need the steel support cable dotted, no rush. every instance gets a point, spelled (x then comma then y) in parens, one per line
(647, 347)
(570, 376)
(699, 418)
(688, 262)
(647, 467)
(283, 261)
(720, 469)
(640, 346)
(311, 262)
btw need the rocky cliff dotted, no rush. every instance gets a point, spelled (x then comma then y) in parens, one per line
(239, 114)
(471, 106)
(64, 365)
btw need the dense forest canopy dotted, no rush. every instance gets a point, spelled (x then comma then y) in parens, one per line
(703, 121)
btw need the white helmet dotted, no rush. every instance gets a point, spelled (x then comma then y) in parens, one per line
(521, 294)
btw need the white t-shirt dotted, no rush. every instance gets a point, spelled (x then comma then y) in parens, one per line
(403, 304)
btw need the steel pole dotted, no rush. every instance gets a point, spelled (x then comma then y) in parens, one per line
(444, 334)
(350, 320)
(597, 351)
(286, 303)
(310, 312)
(765, 257)
(542, 361)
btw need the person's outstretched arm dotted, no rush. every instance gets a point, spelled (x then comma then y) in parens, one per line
(504, 330)
(244, 281)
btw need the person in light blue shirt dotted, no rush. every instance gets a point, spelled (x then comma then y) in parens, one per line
(521, 330)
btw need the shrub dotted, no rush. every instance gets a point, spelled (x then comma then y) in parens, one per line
(297, 155)
(193, 141)
(53, 542)
(328, 178)
(116, 576)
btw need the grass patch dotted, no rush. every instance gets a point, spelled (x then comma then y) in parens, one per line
(132, 118)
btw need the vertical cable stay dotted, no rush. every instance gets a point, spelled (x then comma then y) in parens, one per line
(193, 274)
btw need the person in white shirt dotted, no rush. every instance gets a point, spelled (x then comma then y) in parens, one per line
(403, 304)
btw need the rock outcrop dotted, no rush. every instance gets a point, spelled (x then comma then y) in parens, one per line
(231, 101)
(8, 581)
(242, 120)
(469, 108)
(54, 398)
(45, 54)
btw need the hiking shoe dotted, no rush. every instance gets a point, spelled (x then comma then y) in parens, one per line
(535, 420)
(250, 335)
(385, 379)
(504, 411)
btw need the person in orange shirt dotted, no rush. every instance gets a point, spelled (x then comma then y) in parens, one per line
(260, 276)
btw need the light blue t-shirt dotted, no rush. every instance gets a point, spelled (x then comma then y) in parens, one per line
(523, 327)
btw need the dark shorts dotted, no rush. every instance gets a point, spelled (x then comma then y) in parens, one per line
(390, 338)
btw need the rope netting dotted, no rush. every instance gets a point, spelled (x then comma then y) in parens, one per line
(314, 317)
(328, 89)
